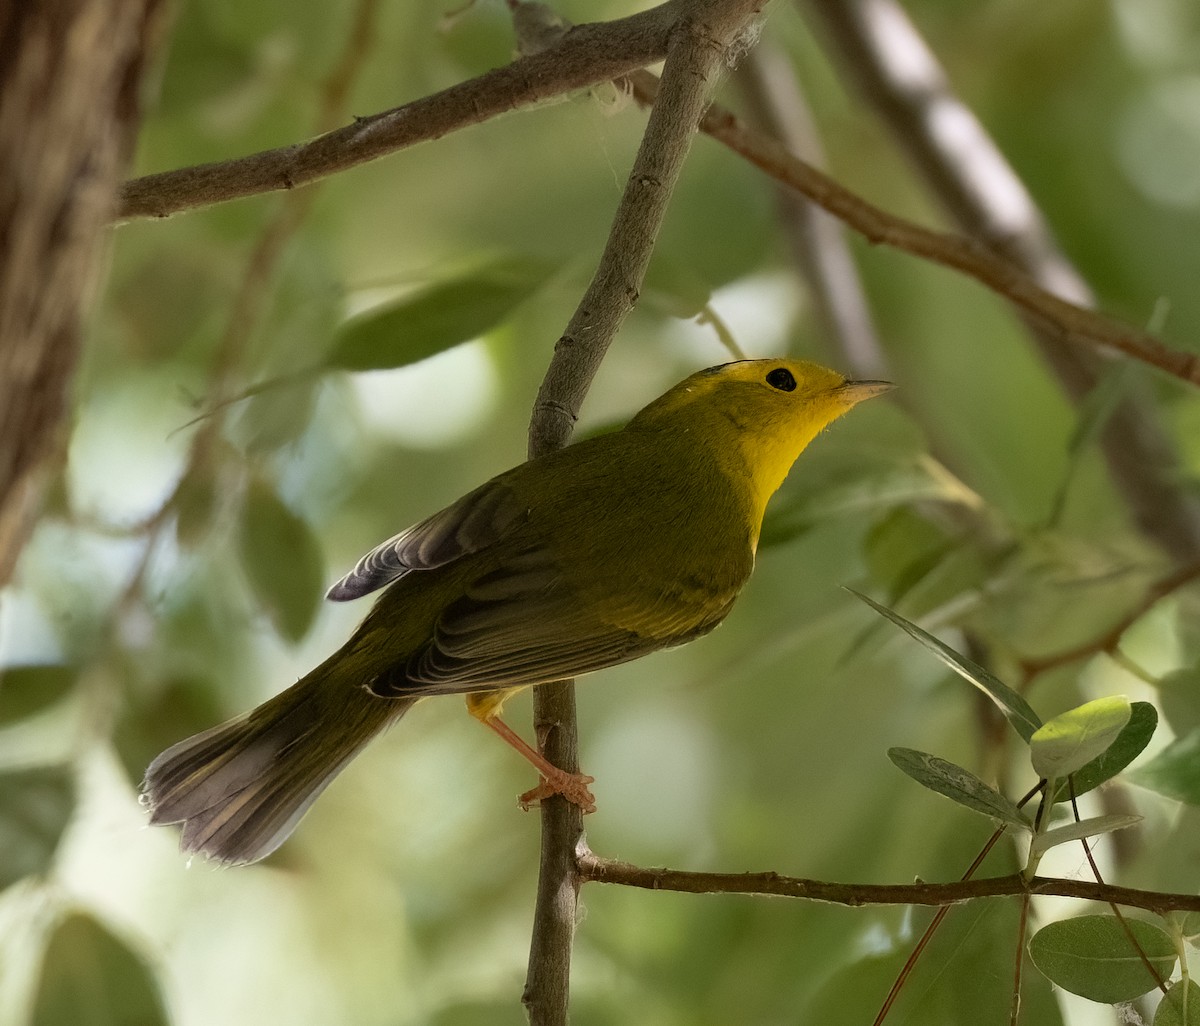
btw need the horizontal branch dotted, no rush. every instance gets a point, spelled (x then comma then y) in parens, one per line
(600, 870)
(585, 56)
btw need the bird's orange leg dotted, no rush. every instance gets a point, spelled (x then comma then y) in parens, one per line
(572, 786)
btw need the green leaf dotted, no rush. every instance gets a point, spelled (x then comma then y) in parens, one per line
(1179, 693)
(1130, 743)
(1180, 1005)
(958, 784)
(35, 806)
(1073, 739)
(1018, 712)
(278, 413)
(90, 978)
(1078, 831)
(1091, 956)
(283, 561)
(1175, 771)
(445, 315)
(25, 690)
(1189, 926)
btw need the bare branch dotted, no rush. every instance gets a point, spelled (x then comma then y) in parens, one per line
(586, 55)
(600, 870)
(698, 45)
(967, 174)
(1064, 320)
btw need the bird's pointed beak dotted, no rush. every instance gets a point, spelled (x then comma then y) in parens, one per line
(854, 392)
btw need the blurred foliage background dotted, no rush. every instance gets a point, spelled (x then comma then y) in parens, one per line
(402, 328)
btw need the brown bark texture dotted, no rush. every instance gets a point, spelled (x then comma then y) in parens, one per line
(71, 73)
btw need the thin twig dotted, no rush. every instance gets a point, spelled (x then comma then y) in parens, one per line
(1116, 911)
(601, 870)
(1064, 320)
(900, 78)
(941, 914)
(1014, 1014)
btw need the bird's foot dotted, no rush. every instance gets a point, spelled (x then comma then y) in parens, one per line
(572, 786)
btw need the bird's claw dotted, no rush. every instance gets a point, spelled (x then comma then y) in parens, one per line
(572, 786)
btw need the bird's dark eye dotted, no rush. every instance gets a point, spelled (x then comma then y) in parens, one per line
(781, 378)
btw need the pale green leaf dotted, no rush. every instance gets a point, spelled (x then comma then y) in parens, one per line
(415, 327)
(1077, 831)
(1175, 771)
(35, 806)
(282, 559)
(1130, 743)
(1179, 694)
(1071, 740)
(25, 690)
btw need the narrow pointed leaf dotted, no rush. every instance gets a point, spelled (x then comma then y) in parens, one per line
(445, 315)
(1180, 1006)
(1091, 956)
(1018, 712)
(1073, 739)
(1077, 831)
(958, 784)
(1129, 744)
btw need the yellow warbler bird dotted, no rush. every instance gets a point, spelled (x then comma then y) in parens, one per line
(593, 555)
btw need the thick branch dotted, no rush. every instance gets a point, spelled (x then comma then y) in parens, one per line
(593, 868)
(70, 75)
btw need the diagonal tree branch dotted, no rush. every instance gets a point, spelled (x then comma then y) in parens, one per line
(899, 76)
(698, 47)
(1062, 319)
(584, 56)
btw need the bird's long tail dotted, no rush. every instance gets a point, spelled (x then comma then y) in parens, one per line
(240, 788)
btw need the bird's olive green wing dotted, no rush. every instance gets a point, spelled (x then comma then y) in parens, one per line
(477, 520)
(525, 623)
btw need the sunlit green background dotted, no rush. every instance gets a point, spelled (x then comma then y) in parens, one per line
(406, 895)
